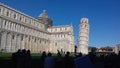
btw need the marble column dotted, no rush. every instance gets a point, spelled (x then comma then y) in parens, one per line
(8, 42)
(26, 42)
(1, 12)
(37, 40)
(9, 23)
(3, 24)
(42, 43)
(38, 45)
(0, 23)
(14, 25)
(22, 42)
(3, 41)
(0, 37)
(51, 46)
(18, 42)
(33, 44)
(13, 45)
(11, 27)
(6, 26)
(30, 45)
(18, 28)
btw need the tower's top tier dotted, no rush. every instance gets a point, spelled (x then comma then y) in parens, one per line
(84, 20)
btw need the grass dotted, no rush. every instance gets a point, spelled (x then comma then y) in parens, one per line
(7, 56)
(6, 62)
(35, 55)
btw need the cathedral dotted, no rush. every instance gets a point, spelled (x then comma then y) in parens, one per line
(21, 31)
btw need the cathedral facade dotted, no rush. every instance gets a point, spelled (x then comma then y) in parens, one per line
(21, 31)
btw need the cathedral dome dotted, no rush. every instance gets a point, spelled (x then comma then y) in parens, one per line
(43, 15)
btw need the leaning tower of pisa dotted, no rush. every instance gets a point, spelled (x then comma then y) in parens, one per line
(83, 36)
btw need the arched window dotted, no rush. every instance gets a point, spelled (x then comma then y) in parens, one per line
(7, 13)
(64, 35)
(20, 18)
(14, 16)
(35, 40)
(40, 41)
(0, 9)
(5, 22)
(55, 44)
(13, 36)
(29, 38)
(85, 25)
(21, 38)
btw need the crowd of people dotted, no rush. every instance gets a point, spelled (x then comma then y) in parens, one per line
(22, 59)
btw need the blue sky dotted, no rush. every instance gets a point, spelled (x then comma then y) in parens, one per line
(104, 16)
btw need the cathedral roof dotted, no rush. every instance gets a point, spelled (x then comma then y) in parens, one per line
(43, 14)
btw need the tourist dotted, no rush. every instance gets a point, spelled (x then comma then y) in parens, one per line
(49, 61)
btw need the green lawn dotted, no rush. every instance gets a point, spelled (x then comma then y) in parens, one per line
(7, 56)
(6, 62)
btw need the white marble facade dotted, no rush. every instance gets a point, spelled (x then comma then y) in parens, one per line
(20, 31)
